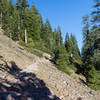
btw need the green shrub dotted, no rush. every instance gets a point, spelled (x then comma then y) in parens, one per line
(30, 45)
(64, 69)
(22, 43)
(37, 53)
(30, 40)
(94, 79)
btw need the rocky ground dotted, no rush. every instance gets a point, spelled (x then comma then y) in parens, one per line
(26, 76)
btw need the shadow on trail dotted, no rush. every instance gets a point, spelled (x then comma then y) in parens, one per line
(24, 86)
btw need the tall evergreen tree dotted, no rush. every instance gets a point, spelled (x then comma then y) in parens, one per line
(2, 11)
(96, 12)
(67, 39)
(21, 6)
(91, 49)
(32, 23)
(47, 34)
(8, 18)
(59, 36)
(72, 49)
(61, 57)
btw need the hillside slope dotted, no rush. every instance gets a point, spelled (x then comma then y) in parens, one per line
(24, 75)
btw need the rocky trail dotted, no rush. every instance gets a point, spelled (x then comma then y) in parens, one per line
(24, 76)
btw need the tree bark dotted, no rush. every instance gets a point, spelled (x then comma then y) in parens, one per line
(25, 36)
(19, 36)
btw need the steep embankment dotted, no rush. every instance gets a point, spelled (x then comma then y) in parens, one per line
(24, 75)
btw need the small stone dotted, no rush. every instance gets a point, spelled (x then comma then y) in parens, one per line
(61, 97)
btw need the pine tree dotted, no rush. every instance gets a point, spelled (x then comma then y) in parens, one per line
(67, 39)
(32, 23)
(86, 50)
(75, 49)
(54, 40)
(8, 18)
(93, 79)
(47, 35)
(96, 12)
(72, 49)
(2, 11)
(59, 36)
(91, 48)
(86, 24)
(21, 6)
(15, 27)
(61, 57)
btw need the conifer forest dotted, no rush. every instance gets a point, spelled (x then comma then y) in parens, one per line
(24, 24)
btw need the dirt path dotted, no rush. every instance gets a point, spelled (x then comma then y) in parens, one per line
(32, 68)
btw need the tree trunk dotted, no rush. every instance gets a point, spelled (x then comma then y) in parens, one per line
(25, 36)
(10, 35)
(19, 37)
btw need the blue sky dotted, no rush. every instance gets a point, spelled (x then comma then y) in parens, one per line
(65, 13)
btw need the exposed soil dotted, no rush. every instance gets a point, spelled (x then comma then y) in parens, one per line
(24, 75)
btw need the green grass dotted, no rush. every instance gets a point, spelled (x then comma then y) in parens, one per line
(29, 47)
(64, 69)
(94, 87)
(33, 51)
(73, 68)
